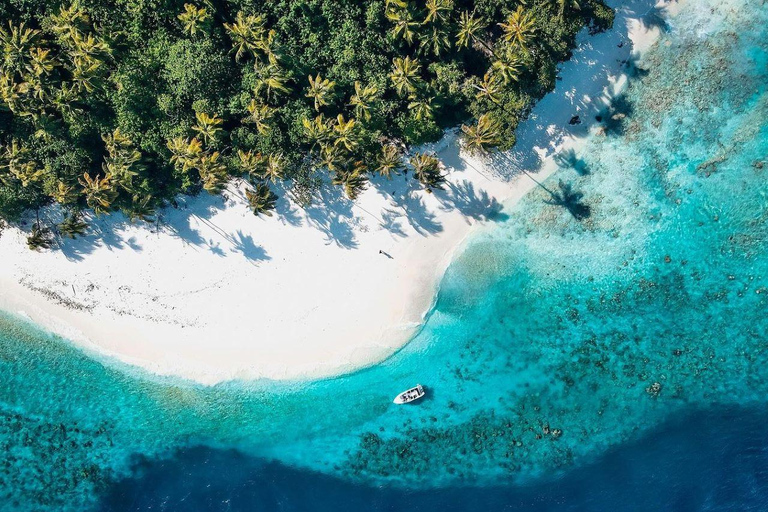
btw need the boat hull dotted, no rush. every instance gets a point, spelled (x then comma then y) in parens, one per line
(410, 395)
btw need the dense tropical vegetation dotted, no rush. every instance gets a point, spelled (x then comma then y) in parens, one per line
(119, 106)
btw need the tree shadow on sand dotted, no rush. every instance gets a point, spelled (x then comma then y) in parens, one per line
(332, 214)
(471, 203)
(416, 213)
(178, 222)
(101, 232)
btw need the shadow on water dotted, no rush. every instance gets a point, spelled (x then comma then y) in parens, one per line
(568, 159)
(655, 19)
(699, 460)
(614, 117)
(571, 200)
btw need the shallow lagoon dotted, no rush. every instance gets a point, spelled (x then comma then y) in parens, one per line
(630, 292)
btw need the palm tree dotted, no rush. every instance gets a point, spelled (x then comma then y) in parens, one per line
(275, 167)
(317, 131)
(252, 164)
(260, 115)
(12, 94)
(405, 25)
(266, 45)
(207, 126)
(469, 29)
(27, 173)
(438, 11)
(344, 132)
(321, 90)
(193, 18)
(261, 199)
(89, 46)
(64, 100)
(122, 161)
(16, 163)
(508, 68)
(40, 238)
(141, 209)
(519, 28)
(362, 99)
(85, 76)
(427, 169)
(489, 87)
(331, 157)
(36, 89)
(41, 62)
(272, 79)
(421, 108)
(213, 173)
(436, 40)
(352, 176)
(483, 135)
(248, 34)
(99, 193)
(68, 22)
(16, 42)
(405, 75)
(184, 152)
(73, 225)
(389, 162)
(64, 193)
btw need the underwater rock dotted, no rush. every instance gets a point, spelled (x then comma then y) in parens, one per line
(574, 120)
(654, 389)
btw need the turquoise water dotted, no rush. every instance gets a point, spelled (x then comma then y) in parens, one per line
(554, 339)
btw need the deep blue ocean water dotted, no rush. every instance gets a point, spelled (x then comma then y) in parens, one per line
(603, 347)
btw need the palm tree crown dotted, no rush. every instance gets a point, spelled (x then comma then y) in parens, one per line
(483, 135)
(519, 28)
(193, 18)
(405, 75)
(320, 90)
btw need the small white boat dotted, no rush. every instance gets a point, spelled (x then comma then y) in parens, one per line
(410, 395)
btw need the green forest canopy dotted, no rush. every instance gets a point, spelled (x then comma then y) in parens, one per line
(122, 104)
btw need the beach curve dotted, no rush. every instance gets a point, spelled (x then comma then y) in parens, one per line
(309, 293)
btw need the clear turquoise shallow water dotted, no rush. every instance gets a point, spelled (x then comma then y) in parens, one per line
(553, 340)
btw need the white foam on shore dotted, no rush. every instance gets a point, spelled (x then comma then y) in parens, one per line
(213, 293)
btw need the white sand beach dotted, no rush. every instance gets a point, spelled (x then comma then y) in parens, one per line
(213, 293)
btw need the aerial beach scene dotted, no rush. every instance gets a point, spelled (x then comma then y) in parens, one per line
(384, 255)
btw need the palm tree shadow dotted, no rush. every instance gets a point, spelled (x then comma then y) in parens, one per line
(654, 19)
(244, 244)
(464, 198)
(569, 160)
(418, 215)
(102, 232)
(286, 211)
(614, 117)
(333, 216)
(391, 222)
(570, 200)
(633, 67)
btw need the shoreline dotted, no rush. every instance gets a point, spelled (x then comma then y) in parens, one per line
(213, 293)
